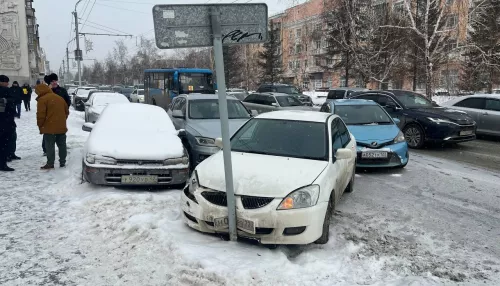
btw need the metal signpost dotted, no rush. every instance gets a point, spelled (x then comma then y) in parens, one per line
(183, 26)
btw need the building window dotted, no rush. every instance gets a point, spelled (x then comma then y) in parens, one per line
(290, 34)
(290, 65)
(297, 64)
(318, 83)
(398, 7)
(290, 51)
(318, 27)
(298, 33)
(452, 21)
(329, 62)
(451, 45)
(298, 49)
(329, 83)
(317, 44)
(342, 81)
(305, 63)
(305, 85)
(449, 2)
(317, 61)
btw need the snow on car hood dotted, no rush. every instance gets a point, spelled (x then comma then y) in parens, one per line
(134, 144)
(211, 127)
(260, 175)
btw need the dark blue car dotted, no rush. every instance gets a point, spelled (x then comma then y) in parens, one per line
(379, 141)
(422, 120)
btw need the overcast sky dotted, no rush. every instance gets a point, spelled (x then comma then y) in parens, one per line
(120, 16)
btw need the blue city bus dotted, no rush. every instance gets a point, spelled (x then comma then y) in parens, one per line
(162, 85)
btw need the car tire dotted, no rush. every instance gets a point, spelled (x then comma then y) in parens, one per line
(415, 136)
(84, 180)
(350, 187)
(323, 239)
(138, 101)
(154, 102)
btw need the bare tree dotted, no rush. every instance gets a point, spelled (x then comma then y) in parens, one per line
(429, 24)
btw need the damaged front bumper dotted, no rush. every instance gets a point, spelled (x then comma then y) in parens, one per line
(271, 226)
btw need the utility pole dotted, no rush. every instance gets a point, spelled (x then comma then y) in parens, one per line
(77, 52)
(67, 64)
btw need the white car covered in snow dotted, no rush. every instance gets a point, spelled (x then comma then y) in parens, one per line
(98, 101)
(134, 144)
(287, 179)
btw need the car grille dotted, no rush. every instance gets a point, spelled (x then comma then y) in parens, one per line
(144, 163)
(255, 202)
(378, 146)
(216, 198)
(220, 199)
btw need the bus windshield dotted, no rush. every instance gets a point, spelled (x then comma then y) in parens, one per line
(196, 82)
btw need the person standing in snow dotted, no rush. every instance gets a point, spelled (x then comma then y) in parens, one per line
(53, 81)
(17, 93)
(52, 113)
(7, 122)
(27, 96)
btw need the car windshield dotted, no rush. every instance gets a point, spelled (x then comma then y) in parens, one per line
(412, 100)
(196, 82)
(287, 138)
(209, 109)
(105, 99)
(286, 89)
(362, 114)
(285, 101)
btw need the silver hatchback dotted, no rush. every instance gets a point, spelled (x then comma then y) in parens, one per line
(272, 101)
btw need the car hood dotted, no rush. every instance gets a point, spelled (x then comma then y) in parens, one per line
(260, 175)
(98, 108)
(374, 133)
(211, 128)
(134, 144)
(453, 115)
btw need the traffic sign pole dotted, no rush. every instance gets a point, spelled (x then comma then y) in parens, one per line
(224, 122)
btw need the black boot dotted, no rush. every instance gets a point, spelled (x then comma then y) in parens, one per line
(6, 168)
(15, 157)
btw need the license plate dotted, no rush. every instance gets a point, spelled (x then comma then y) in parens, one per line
(241, 223)
(467, 132)
(139, 180)
(374, 155)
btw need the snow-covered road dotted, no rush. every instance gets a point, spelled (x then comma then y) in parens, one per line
(436, 222)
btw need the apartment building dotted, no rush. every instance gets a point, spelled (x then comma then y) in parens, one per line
(304, 44)
(20, 51)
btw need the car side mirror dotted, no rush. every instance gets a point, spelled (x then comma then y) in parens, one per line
(87, 126)
(343, 154)
(218, 142)
(177, 114)
(396, 120)
(392, 106)
(181, 133)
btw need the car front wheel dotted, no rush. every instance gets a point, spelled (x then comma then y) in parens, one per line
(350, 187)
(323, 239)
(414, 136)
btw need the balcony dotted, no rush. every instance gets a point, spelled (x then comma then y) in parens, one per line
(314, 69)
(30, 12)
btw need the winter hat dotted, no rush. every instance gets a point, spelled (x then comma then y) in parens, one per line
(15, 82)
(4, 78)
(46, 79)
(38, 82)
(53, 77)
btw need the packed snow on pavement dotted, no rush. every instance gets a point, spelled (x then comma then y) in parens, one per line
(433, 223)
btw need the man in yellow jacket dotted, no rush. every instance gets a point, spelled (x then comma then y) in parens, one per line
(52, 113)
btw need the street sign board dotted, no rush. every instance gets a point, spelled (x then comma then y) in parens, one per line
(184, 26)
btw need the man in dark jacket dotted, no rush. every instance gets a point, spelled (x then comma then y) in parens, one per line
(7, 123)
(27, 96)
(52, 81)
(17, 93)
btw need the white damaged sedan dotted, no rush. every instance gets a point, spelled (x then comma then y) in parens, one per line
(134, 144)
(290, 169)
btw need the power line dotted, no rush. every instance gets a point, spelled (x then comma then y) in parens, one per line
(105, 26)
(85, 7)
(100, 28)
(122, 9)
(92, 8)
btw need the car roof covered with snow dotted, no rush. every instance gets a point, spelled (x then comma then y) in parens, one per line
(135, 131)
(460, 98)
(296, 115)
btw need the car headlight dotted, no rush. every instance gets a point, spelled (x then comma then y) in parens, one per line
(105, 160)
(400, 138)
(90, 158)
(176, 161)
(441, 121)
(193, 182)
(302, 198)
(203, 141)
